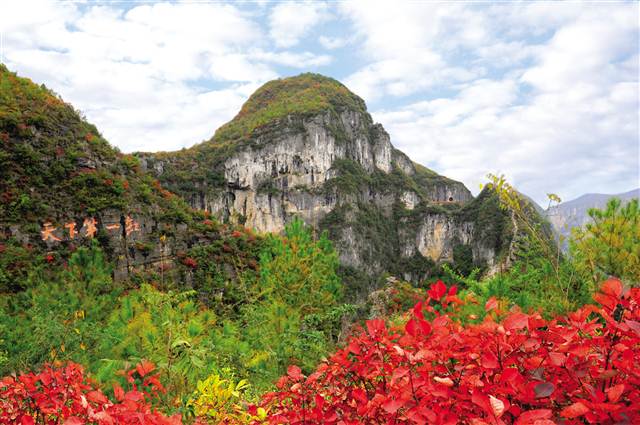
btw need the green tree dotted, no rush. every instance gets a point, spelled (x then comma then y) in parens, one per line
(610, 244)
(60, 315)
(170, 329)
(298, 280)
(300, 271)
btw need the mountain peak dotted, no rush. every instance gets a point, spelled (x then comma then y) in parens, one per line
(304, 94)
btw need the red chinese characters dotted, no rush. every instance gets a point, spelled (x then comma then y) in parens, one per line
(89, 229)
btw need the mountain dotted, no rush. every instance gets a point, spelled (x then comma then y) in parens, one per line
(302, 147)
(62, 186)
(306, 147)
(570, 214)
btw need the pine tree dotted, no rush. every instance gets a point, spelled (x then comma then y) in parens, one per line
(610, 245)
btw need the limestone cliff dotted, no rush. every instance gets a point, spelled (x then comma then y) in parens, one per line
(306, 147)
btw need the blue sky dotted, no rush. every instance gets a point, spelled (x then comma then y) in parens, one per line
(544, 92)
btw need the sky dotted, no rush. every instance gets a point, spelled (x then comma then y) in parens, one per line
(545, 93)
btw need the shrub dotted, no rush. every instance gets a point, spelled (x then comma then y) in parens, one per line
(218, 400)
(521, 369)
(63, 395)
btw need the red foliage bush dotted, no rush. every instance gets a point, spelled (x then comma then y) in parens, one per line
(190, 262)
(583, 368)
(64, 396)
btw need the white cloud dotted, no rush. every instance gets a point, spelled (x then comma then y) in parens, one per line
(290, 21)
(406, 46)
(568, 142)
(331, 43)
(546, 93)
(291, 59)
(141, 74)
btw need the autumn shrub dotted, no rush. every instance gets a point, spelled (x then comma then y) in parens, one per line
(63, 395)
(511, 368)
(220, 401)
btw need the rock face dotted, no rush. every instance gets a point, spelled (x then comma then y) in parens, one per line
(338, 171)
(285, 174)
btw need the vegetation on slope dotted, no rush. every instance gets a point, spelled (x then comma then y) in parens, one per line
(290, 312)
(56, 168)
(52, 162)
(306, 94)
(511, 368)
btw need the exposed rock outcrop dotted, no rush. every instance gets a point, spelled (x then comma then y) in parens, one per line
(338, 171)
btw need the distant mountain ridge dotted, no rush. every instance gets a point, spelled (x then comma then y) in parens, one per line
(574, 213)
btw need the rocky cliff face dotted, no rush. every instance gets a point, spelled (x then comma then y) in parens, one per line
(338, 171)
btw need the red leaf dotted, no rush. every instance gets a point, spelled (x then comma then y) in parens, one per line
(376, 327)
(437, 290)
(360, 395)
(26, 420)
(491, 304)
(145, 367)
(531, 416)
(482, 400)
(606, 300)
(614, 393)
(294, 372)
(516, 321)
(73, 420)
(489, 360)
(557, 359)
(544, 389)
(612, 287)
(575, 410)
(97, 397)
(634, 325)
(415, 327)
(417, 311)
(118, 392)
(391, 406)
(412, 327)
